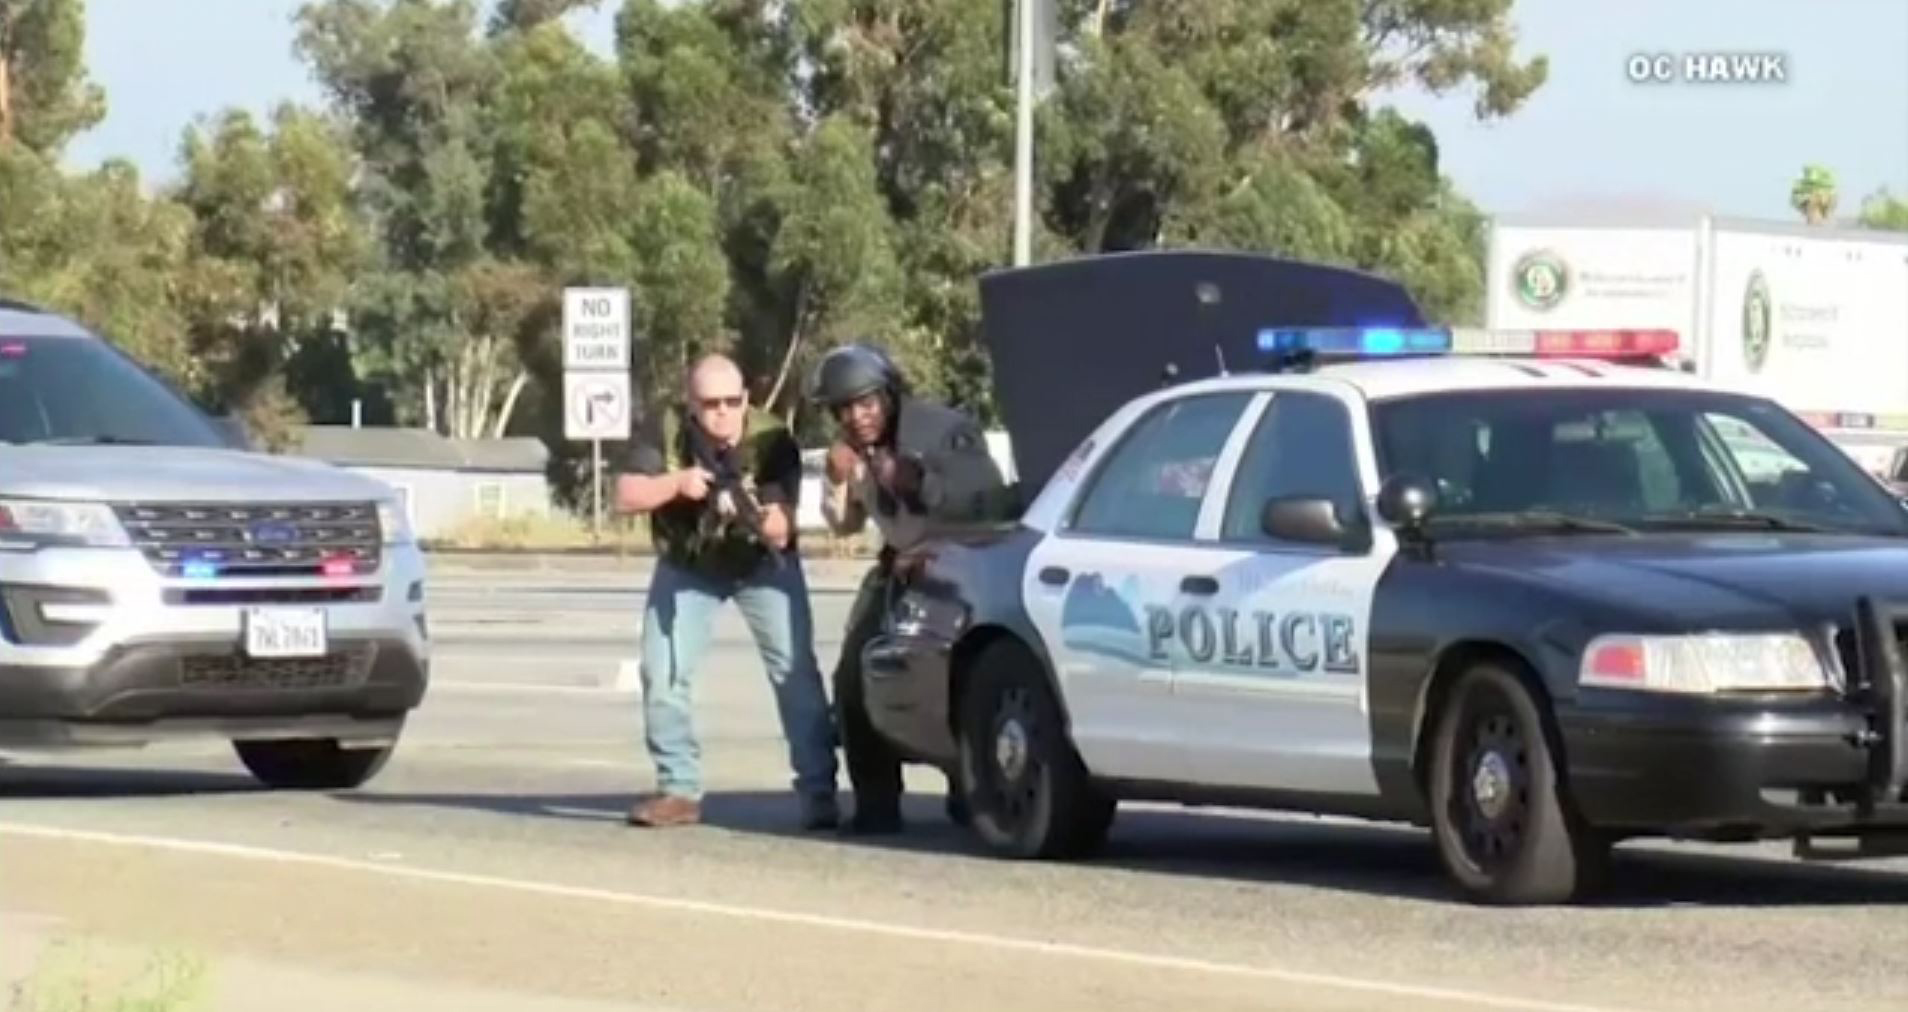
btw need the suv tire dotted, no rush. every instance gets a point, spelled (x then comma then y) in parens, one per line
(311, 763)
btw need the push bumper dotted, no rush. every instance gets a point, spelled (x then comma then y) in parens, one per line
(905, 683)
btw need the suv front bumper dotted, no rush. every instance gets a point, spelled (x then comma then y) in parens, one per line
(96, 648)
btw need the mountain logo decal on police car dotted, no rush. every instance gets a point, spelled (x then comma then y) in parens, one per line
(1096, 619)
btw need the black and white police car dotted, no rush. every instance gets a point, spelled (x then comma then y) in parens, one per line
(1515, 587)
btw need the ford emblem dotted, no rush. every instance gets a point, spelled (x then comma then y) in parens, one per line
(272, 534)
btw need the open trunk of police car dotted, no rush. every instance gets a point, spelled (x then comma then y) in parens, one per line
(1072, 341)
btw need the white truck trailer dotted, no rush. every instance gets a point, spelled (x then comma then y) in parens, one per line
(1814, 317)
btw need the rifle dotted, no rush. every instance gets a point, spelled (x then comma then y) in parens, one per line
(726, 479)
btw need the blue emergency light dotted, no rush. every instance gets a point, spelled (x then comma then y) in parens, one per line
(1377, 342)
(199, 569)
(1374, 341)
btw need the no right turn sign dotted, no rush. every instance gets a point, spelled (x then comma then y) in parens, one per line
(596, 406)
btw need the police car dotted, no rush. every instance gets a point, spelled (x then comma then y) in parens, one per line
(1535, 591)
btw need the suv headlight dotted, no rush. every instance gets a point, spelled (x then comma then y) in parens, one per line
(1705, 663)
(395, 525)
(37, 523)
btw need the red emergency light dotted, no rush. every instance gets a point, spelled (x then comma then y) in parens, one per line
(1613, 344)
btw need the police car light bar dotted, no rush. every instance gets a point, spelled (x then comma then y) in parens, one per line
(1855, 420)
(1376, 342)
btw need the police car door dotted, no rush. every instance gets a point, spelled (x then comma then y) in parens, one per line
(1102, 588)
(1272, 659)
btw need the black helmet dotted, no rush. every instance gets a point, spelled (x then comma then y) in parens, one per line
(853, 371)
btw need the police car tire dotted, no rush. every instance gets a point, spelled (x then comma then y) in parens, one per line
(1065, 815)
(1555, 858)
(314, 764)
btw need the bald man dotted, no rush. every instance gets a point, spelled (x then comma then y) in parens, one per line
(705, 556)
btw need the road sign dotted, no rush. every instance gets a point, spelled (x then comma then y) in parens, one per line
(596, 405)
(596, 329)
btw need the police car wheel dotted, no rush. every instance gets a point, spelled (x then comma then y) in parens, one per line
(1028, 793)
(312, 765)
(1504, 829)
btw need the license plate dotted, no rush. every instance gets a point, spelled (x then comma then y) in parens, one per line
(285, 632)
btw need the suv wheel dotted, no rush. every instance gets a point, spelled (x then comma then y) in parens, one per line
(311, 764)
(1028, 793)
(1505, 831)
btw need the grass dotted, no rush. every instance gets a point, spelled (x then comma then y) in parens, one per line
(69, 980)
(558, 530)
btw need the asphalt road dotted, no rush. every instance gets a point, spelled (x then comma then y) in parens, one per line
(488, 868)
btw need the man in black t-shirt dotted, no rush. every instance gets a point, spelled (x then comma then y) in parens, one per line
(715, 544)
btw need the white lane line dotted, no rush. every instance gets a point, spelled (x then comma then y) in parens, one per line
(525, 688)
(938, 935)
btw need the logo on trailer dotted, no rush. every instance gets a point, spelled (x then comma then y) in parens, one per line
(1756, 314)
(1540, 279)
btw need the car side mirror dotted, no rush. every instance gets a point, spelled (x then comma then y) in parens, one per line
(1405, 501)
(1308, 520)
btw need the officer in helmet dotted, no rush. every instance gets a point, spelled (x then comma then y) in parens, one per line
(907, 464)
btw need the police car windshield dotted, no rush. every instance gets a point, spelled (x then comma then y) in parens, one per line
(1642, 459)
(76, 391)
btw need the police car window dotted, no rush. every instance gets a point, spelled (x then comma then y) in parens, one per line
(1761, 460)
(1511, 455)
(1668, 457)
(1302, 447)
(1771, 477)
(1152, 484)
(1615, 458)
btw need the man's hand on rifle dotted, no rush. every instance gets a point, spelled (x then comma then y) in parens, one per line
(692, 483)
(843, 461)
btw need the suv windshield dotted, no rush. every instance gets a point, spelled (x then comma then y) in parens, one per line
(1615, 460)
(76, 390)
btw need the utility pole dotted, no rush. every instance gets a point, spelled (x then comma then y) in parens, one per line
(1023, 134)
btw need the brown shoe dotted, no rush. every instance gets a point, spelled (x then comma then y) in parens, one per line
(667, 810)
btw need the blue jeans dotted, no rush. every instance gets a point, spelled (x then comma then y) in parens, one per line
(677, 620)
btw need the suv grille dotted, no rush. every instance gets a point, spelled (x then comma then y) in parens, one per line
(233, 671)
(266, 539)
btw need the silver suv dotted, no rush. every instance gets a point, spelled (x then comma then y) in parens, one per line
(159, 580)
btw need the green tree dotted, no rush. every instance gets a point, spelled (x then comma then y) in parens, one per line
(90, 245)
(562, 195)
(713, 105)
(111, 258)
(836, 251)
(1813, 195)
(411, 76)
(1883, 210)
(523, 15)
(45, 97)
(277, 242)
(681, 288)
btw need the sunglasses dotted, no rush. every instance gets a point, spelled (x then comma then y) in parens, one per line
(731, 403)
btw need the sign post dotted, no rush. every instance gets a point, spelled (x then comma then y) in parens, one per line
(596, 394)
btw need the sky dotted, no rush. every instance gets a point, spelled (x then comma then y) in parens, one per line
(1590, 138)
